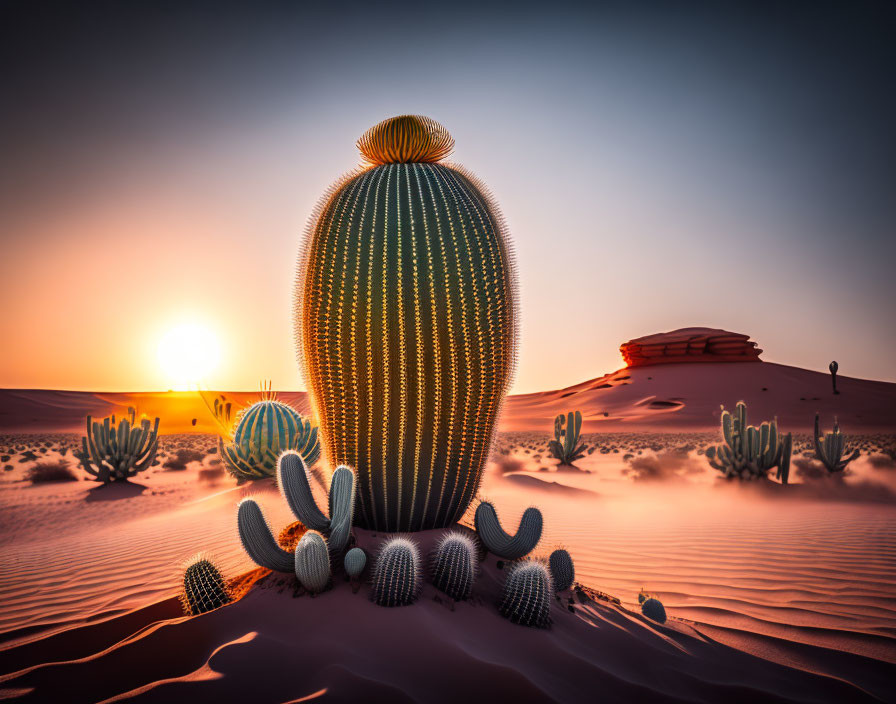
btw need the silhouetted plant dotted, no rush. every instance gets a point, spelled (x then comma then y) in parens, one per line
(565, 445)
(833, 366)
(204, 588)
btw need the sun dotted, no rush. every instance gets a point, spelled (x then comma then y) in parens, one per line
(187, 354)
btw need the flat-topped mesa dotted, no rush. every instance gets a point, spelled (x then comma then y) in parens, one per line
(690, 345)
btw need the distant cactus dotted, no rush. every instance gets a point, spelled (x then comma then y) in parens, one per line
(565, 445)
(562, 570)
(830, 448)
(263, 431)
(527, 595)
(258, 541)
(500, 543)
(833, 366)
(204, 587)
(652, 607)
(293, 480)
(750, 452)
(312, 562)
(397, 573)
(112, 453)
(454, 566)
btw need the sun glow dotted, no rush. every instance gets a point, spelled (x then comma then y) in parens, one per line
(187, 354)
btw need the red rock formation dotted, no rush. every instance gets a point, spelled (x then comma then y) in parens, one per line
(690, 345)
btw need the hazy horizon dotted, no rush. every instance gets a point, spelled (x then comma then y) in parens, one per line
(658, 168)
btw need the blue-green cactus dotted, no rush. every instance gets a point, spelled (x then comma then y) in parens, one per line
(565, 445)
(397, 573)
(749, 452)
(204, 587)
(500, 543)
(293, 480)
(527, 595)
(454, 565)
(652, 608)
(355, 562)
(562, 570)
(263, 431)
(258, 540)
(116, 453)
(312, 562)
(829, 448)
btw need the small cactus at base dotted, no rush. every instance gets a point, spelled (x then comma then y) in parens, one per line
(397, 573)
(454, 566)
(204, 587)
(354, 563)
(829, 448)
(312, 562)
(652, 607)
(562, 570)
(527, 595)
(500, 543)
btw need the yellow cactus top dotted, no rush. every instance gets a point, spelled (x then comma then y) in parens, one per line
(404, 139)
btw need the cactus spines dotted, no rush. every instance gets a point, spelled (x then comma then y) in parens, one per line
(562, 570)
(397, 573)
(312, 562)
(454, 565)
(406, 324)
(293, 480)
(527, 595)
(499, 542)
(565, 445)
(355, 562)
(749, 452)
(204, 587)
(258, 541)
(116, 453)
(830, 448)
(263, 431)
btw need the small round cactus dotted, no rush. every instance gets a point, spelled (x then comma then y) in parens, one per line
(355, 562)
(652, 608)
(454, 567)
(313, 562)
(562, 570)
(527, 595)
(497, 541)
(397, 573)
(204, 587)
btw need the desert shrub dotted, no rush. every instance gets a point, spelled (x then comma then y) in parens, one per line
(182, 457)
(50, 472)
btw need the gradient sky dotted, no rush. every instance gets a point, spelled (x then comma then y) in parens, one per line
(658, 168)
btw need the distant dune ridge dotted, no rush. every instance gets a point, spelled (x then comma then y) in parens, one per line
(674, 381)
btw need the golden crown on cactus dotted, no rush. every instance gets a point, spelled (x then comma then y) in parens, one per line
(406, 324)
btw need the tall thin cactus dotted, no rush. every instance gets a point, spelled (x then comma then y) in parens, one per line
(406, 322)
(499, 542)
(565, 445)
(750, 452)
(829, 448)
(116, 453)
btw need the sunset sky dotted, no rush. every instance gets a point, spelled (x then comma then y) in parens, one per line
(657, 169)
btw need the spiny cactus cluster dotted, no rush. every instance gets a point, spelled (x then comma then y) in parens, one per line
(565, 445)
(312, 562)
(204, 587)
(262, 432)
(829, 448)
(652, 607)
(509, 547)
(116, 453)
(455, 565)
(527, 595)
(397, 573)
(256, 536)
(562, 570)
(406, 322)
(750, 452)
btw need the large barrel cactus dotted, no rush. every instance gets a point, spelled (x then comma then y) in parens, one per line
(406, 324)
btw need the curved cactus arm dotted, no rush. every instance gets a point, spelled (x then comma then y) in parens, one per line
(496, 540)
(292, 477)
(258, 541)
(342, 507)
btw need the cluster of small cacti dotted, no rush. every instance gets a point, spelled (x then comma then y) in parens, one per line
(454, 565)
(262, 432)
(204, 587)
(397, 573)
(527, 594)
(113, 452)
(497, 541)
(406, 324)
(829, 448)
(565, 446)
(750, 452)
(652, 607)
